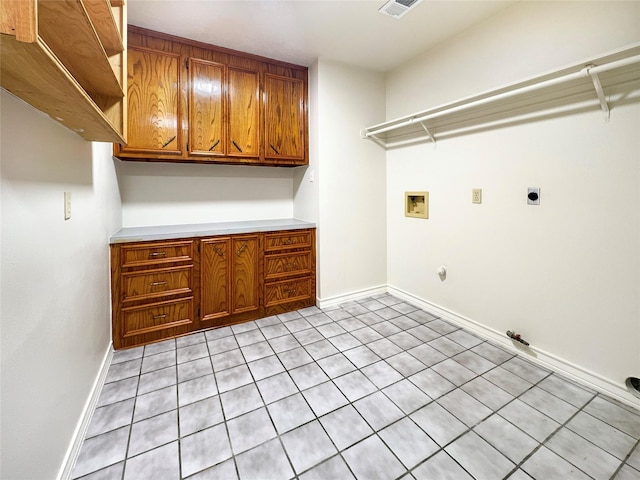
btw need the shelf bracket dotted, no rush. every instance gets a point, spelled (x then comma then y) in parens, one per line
(377, 140)
(599, 91)
(428, 132)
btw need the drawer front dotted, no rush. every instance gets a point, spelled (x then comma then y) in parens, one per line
(156, 317)
(156, 253)
(156, 283)
(287, 291)
(287, 240)
(286, 264)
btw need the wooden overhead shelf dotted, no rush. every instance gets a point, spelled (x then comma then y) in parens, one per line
(68, 59)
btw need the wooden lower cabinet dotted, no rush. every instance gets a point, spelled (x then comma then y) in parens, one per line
(170, 288)
(229, 280)
(289, 271)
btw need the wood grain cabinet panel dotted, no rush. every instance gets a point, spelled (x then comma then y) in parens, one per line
(158, 319)
(149, 284)
(287, 264)
(146, 254)
(153, 102)
(244, 112)
(287, 291)
(245, 274)
(215, 299)
(206, 108)
(284, 136)
(287, 240)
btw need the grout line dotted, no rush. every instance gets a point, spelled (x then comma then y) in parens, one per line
(397, 324)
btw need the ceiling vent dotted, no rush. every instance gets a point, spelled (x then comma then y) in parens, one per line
(397, 8)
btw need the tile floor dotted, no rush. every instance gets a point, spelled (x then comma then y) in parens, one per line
(374, 389)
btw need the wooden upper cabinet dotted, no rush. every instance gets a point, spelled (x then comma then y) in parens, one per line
(206, 108)
(154, 102)
(244, 112)
(284, 135)
(193, 102)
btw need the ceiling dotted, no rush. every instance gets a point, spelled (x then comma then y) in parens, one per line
(299, 31)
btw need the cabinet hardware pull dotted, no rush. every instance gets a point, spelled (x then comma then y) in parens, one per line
(236, 145)
(289, 241)
(158, 317)
(214, 145)
(169, 141)
(218, 250)
(291, 291)
(274, 149)
(158, 254)
(242, 248)
(157, 284)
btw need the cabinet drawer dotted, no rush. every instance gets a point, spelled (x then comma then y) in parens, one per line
(286, 264)
(287, 291)
(156, 317)
(156, 253)
(156, 283)
(287, 240)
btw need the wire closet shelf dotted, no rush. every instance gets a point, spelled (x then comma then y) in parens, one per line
(601, 82)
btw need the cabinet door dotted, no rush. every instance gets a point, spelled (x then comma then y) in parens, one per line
(284, 117)
(153, 98)
(244, 112)
(206, 108)
(245, 274)
(214, 283)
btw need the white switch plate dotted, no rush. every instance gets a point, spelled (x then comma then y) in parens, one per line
(67, 205)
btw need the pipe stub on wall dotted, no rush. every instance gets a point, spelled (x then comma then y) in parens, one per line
(633, 385)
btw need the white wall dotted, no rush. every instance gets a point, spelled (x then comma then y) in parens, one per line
(565, 274)
(351, 181)
(170, 193)
(54, 311)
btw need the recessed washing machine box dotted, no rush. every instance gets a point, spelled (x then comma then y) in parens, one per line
(416, 204)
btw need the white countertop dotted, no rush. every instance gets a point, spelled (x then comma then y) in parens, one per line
(167, 232)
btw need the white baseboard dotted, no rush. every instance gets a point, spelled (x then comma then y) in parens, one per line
(339, 299)
(85, 418)
(590, 379)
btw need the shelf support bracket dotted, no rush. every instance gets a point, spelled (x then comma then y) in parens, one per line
(599, 91)
(377, 140)
(428, 132)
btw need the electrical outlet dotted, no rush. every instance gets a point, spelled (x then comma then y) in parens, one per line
(67, 205)
(533, 196)
(476, 195)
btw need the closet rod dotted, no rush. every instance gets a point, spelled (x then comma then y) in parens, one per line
(584, 73)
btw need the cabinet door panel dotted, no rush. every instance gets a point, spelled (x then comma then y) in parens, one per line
(245, 274)
(206, 108)
(153, 102)
(284, 117)
(244, 112)
(215, 285)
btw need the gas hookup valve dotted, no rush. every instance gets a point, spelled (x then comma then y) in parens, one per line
(516, 337)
